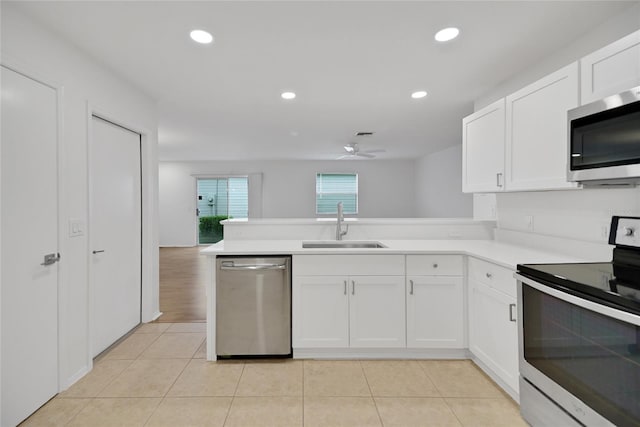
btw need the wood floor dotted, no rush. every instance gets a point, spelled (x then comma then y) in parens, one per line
(184, 274)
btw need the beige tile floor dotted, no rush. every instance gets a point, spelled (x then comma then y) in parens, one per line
(158, 376)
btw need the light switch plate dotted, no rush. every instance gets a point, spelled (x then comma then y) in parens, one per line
(76, 227)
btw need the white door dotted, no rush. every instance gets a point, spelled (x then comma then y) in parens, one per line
(377, 315)
(483, 149)
(115, 232)
(435, 312)
(322, 312)
(29, 231)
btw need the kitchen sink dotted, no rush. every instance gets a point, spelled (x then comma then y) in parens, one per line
(335, 244)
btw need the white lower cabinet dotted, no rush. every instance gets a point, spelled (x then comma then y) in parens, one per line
(435, 301)
(493, 334)
(349, 310)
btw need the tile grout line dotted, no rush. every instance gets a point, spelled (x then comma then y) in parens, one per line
(233, 398)
(375, 404)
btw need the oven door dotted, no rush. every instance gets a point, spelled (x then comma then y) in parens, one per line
(582, 355)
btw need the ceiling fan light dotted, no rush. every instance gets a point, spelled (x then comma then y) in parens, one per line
(349, 148)
(447, 34)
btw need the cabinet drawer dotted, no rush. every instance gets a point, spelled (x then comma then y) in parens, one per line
(348, 265)
(499, 278)
(434, 265)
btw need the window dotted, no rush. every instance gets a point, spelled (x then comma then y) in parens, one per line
(219, 199)
(332, 188)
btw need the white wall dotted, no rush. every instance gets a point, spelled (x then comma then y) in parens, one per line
(386, 190)
(578, 214)
(439, 185)
(612, 30)
(34, 49)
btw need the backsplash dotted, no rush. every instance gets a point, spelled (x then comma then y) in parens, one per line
(574, 214)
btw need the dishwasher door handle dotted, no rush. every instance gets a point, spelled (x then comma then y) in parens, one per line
(229, 265)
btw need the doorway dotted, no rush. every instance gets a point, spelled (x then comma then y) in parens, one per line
(116, 232)
(219, 199)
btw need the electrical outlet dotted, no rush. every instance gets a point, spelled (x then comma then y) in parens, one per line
(528, 222)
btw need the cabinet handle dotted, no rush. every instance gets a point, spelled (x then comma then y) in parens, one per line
(511, 307)
(411, 289)
(435, 265)
(353, 287)
(345, 287)
(489, 275)
(498, 176)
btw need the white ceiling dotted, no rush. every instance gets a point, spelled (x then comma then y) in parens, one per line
(353, 66)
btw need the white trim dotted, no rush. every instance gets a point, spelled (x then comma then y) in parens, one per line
(515, 395)
(76, 377)
(379, 353)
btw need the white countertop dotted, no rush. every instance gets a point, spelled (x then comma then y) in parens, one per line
(506, 255)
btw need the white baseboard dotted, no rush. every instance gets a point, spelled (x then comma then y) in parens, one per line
(379, 353)
(515, 394)
(155, 316)
(75, 377)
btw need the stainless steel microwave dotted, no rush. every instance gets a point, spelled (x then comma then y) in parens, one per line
(604, 140)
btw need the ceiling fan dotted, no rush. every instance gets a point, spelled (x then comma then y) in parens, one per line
(353, 151)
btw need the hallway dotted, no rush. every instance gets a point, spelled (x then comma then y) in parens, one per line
(183, 278)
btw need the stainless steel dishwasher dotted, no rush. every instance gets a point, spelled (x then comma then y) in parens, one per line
(253, 306)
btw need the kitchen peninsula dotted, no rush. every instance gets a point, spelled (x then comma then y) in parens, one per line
(436, 288)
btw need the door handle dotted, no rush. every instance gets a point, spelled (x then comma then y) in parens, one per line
(511, 307)
(98, 252)
(51, 259)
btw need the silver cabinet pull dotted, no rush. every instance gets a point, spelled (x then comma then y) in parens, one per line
(98, 252)
(511, 307)
(489, 275)
(353, 287)
(435, 265)
(411, 289)
(50, 259)
(498, 179)
(345, 287)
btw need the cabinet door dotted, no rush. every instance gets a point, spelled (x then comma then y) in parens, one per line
(493, 336)
(321, 317)
(435, 312)
(377, 311)
(483, 149)
(536, 140)
(612, 69)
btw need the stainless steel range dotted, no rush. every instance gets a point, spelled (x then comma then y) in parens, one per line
(579, 337)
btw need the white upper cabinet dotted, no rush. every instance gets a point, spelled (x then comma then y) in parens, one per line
(536, 132)
(612, 69)
(483, 138)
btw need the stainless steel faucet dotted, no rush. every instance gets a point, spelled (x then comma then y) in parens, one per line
(339, 220)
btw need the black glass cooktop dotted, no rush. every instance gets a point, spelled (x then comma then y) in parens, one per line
(615, 285)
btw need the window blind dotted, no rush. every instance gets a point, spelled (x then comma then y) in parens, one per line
(332, 188)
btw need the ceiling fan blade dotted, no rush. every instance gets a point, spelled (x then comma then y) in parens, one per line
(364, 154)
(374, 151)
(346, 156)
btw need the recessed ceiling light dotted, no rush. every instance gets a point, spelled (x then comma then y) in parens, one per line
(419, 94)
(288, 95)
(447, 34)
(201, 36)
